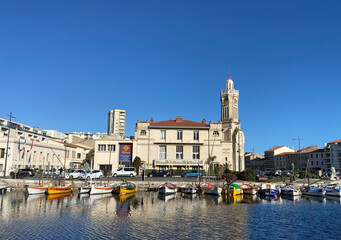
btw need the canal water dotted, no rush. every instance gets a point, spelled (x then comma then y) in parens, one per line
(148, 215)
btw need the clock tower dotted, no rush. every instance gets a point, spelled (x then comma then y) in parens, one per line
(231, 125)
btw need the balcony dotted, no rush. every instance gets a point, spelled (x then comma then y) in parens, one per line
(178, 162)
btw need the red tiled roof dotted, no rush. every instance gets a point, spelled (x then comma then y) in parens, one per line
(274, 148)
(336, 141)
(308, 149)
(178, 123)
(286, 153)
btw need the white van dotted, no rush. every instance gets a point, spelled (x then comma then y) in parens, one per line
(125, 171)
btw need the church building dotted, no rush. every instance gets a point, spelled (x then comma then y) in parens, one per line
(181, 143)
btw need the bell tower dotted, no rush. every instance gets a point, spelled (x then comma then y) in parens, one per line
(233, 135)
(229, 103)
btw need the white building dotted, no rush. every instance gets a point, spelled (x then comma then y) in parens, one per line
(116, 122)
(29, 146)
(179, 143)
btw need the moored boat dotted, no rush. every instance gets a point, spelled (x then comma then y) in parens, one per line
(100, 189)
(167, 188)
(127, 188)
(208, 188)
(59, 190)
(290, 191)
(84, 189)
(188, 188)
(268, 189)
(333, 190)
(249, 189)
(313, 191)
(36, 190)
(232, 189)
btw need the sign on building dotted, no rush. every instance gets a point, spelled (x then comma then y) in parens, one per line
(125, 152)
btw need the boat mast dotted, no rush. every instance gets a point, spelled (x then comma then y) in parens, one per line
(109, 166)
(42, 175)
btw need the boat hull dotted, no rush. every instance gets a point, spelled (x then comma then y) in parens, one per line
(232, 191)
(100, 190)
(290, 192)
(85, 189)
(314, 192)
(250, 191)
(333, 192)
(189, 190)
(268, 192)
(215, 191)
(167, 189)
(124, 190)
(36, 190)
(59, 190)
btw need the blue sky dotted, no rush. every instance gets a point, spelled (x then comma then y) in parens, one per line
(65, 64)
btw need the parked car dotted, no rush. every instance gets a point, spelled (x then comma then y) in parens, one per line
(22, 173)
(285, 174)
(159, 173)
(77, 173)
(92, 174)
(125, 172)
(191, 174)
(278, 173)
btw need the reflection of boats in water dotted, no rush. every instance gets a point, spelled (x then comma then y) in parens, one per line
(166, 198)
(123, 204)
(232, 199)
(269, 199)
(333, 199)
(35, 197)
(189, 195)
(58, 196)
(291, 198)
(313, 199)
(248, 198)
(100, 197)
(216, 199)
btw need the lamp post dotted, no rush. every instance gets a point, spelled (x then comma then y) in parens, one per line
(9, 131)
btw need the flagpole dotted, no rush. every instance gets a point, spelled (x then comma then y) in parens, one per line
(9, 131)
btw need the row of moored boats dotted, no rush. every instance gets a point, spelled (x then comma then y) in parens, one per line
(266, 189)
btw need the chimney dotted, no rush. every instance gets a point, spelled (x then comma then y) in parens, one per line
(151, 120)
(204, 121)
(178, 119)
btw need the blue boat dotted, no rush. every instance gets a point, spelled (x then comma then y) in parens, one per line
(268, 189)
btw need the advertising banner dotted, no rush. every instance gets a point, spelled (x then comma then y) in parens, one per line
(126, 152)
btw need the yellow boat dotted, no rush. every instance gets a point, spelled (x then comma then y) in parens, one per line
(126, 196)
(60, 189)
(232, 189)
(127, 188)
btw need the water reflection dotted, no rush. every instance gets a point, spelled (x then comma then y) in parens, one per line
(150, 215)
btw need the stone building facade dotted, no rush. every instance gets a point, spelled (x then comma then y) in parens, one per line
(183, 144)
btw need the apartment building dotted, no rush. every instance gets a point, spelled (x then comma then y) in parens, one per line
(116, 122)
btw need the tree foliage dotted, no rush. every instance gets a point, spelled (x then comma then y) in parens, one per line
(137, 164)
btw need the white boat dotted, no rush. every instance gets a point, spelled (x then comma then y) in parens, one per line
(84, 189)
(208, 188)
(100, 189)
(333, 190)
(36, 190)
(289, 190)
(249, 189)
(188, 188)
(167, 188)
(313, 191)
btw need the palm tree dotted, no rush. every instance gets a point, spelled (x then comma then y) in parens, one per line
(209, 161)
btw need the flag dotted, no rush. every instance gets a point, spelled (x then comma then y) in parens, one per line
(31, 145)
(29, 160)
(23, 154)
(19, 145)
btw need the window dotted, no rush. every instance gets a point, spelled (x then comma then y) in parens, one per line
(215, 133)
(163, 135)
(2, 153)
(143, 132)
(317, 163)
(196, 135)
(73, 154)
(322, 156)
(179, 135)
(111, 148)
(101, 147)
(163, 152)
(196, 152)
(321, 162)
(317, 155)
(78, 155)
(312, 163)
(179, 152)
(311, 155)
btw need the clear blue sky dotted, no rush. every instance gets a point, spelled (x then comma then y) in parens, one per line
(65, 64)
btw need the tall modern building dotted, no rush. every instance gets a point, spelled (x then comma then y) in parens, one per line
(116, 122)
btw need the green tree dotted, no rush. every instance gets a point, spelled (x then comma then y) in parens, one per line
(137, 164)
(209, 162)
(90, 156)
